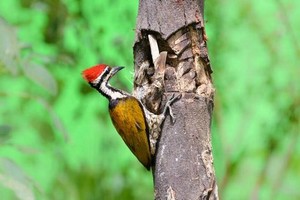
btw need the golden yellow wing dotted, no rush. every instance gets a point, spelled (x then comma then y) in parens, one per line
(129, 120)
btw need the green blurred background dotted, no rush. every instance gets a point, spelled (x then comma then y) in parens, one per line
(57, 141)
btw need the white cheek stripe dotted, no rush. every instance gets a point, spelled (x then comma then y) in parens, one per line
(111, 93)
(96, 80)
(107, 90)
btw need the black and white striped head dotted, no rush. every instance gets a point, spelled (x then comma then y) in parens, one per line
(99, 73)
(98, 77)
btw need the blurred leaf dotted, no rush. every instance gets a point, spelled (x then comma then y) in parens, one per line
(9, 48)
(55, 119)
(5, 131)
(40, 75)
(15, 179)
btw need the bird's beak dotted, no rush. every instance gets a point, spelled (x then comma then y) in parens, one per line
(115, 70)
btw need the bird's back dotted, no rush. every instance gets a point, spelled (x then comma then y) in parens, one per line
(129, 120)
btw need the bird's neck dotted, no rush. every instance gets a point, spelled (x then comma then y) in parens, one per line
(109, 92)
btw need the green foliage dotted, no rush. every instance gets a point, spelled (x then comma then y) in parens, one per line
(57, 141)
(254, 51)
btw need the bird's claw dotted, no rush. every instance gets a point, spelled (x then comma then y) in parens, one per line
(168, 106)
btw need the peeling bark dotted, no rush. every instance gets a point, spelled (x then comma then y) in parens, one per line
(171, 56)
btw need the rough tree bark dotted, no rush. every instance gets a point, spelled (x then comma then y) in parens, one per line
(171, 56)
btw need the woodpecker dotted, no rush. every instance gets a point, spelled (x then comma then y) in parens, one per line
(138, 127)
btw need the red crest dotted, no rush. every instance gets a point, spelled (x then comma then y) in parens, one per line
(92, 73)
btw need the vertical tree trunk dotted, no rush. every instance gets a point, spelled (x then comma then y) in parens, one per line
(171, 57)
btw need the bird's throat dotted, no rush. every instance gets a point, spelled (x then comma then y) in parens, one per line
(110, 92)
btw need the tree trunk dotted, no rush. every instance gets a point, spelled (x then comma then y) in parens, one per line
(171, 56)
